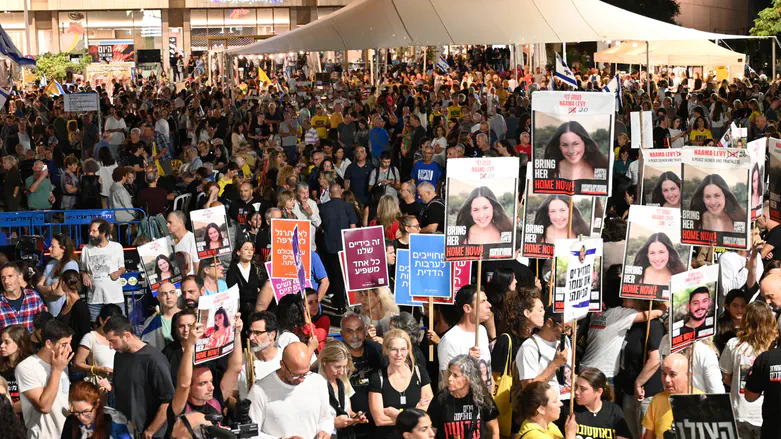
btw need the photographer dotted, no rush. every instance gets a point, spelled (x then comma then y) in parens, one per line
(194, 388)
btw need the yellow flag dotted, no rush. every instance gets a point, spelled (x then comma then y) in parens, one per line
(262, 76)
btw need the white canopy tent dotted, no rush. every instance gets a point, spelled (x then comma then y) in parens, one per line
(398, 23)
(671, 53)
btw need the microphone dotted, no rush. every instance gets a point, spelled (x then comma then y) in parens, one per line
(218, 432)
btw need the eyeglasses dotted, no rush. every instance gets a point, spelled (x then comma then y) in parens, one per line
(83, 412)
(250, 332)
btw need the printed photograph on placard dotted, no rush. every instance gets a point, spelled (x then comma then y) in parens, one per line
(693, 308)
(715, 197)
(661, 183)
(547, 219)
(217, 313)
(481, 205)
(211, 232)
(653, 252)
(756, 151)
(159, 262)
(593, 249)
(572, 141)
(774, 180)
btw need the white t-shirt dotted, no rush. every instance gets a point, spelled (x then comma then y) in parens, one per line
(606, 334)
(187, 244)
(104, 355)
(283, 410)
(262, 370)
(114, 124)
(33, 373)
(736, 360)
(706, 373)
(98, 262)
(456, 341)
(534, 355)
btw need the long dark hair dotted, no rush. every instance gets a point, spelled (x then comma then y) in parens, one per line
(21, 338)
(498, 288)
(597, 380)
(225, 320)
(12, 426)
(674, 262)
(158, 271)
(579, 225)
(657, 197)
(732, 206)
(760, 184)
(212, 226)
(68, 247)
(513, 320)
(290, 313)
(408, 420)
(726, 328)
(500, 219)
(593, 156)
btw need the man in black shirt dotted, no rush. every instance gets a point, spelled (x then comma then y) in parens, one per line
(408, 204)
(662, 133)
(764, 377)
(242, 209)
(367, 357)
(432, 216)
(336, 216)
(356, 177)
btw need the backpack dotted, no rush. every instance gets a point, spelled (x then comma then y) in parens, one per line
(153, 227)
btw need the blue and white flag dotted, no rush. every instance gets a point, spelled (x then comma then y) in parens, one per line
(3, 98)
(614, 86)
(564, 74)
(43, 82)
(442, 63)
(7, 48)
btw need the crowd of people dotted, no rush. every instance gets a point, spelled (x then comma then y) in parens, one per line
(351, 155)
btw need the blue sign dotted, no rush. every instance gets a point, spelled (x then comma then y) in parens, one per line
(21, 219)
(402, 293)
(298, 260)
(85, 216)
(429, 272)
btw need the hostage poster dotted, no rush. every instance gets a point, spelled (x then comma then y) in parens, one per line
(756, 150)
(693, 309)
(365, 258)
(661, 183)
(653, 252)
(774, 172)
(211, 232)
(547, 219)
(572, 138)
(217, 314)
(158, 259)
(577, 274)
(283, 262)
(715, 197)
(481, 206)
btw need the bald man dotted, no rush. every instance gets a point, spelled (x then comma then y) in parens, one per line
(770, 289)
(292, 402)
(675, 378)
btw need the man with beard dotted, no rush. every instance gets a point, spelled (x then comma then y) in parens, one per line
(102, 266)
(700, 303)
(367, 357)
(262, 336)
(142, 380)
(192, 290)
(242, 209)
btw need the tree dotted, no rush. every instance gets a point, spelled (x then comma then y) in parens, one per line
(662, 10)
(56, 65)
(768, 21)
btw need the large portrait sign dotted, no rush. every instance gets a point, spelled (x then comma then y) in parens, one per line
(661, 183)
(653, 252)
(210, 227)
(217, 313)
(694, 303)
(715, 198)
(158, 260)
(757, 150)
(572, 137)
(774, 172)
(481, 206)
(577, 276)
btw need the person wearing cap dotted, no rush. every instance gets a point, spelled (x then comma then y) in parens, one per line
(541, 356)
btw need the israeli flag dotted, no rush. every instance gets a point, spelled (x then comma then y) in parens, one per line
(442, 63)
(614, 86)
(43, 81)
(3, 98)
(564, 74)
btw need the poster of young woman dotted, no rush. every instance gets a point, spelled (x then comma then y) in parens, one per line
(756, 150)
(572, 137)
(217, 313)
(715, 197)
(694, 305)
(661, 183)
(547, 219)
(158, 259)
(481, 205)
(578, 277)
(211, 232)
(653, 252)
(774, 171)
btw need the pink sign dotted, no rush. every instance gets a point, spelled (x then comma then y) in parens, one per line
(282, 287)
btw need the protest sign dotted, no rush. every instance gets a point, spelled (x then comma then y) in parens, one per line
(158, 260)
(481, 207)
(572, 288)
(353, 297)
(572, 138)
(694, 302)
(401, 286)
(756, 150)
(738, 136)
(715, 197)
(211, 232)
(653, 252)
(282, 287)
(217, 313)
(365, 259)
(641, 123)
(547, 219)
(460, 275)
(429, 272)
(283, 262)
(703, 416)
(661, 183)
(81, 102)
(774, 173)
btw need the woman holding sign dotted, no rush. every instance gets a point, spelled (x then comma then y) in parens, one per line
(575, 152)
(659, 260)
(717, 205)
(553, 214)
(483, 217)
(667, 192)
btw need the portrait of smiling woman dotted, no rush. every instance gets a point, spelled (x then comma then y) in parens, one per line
(576, 154)
(667, 192)
(484, 218)
(718, 207)
(659, 260)
(553, 214)
(163, 268)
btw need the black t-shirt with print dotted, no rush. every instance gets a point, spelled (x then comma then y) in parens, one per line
(409, 398)
(452, 417)
(365, 365)
(765, 378)
(608, 423)
(632, 358)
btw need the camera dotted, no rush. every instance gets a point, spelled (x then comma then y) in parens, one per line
(29, 248)
(237, 430)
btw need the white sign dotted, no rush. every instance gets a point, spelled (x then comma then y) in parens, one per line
(642, 129)
(81, 102)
